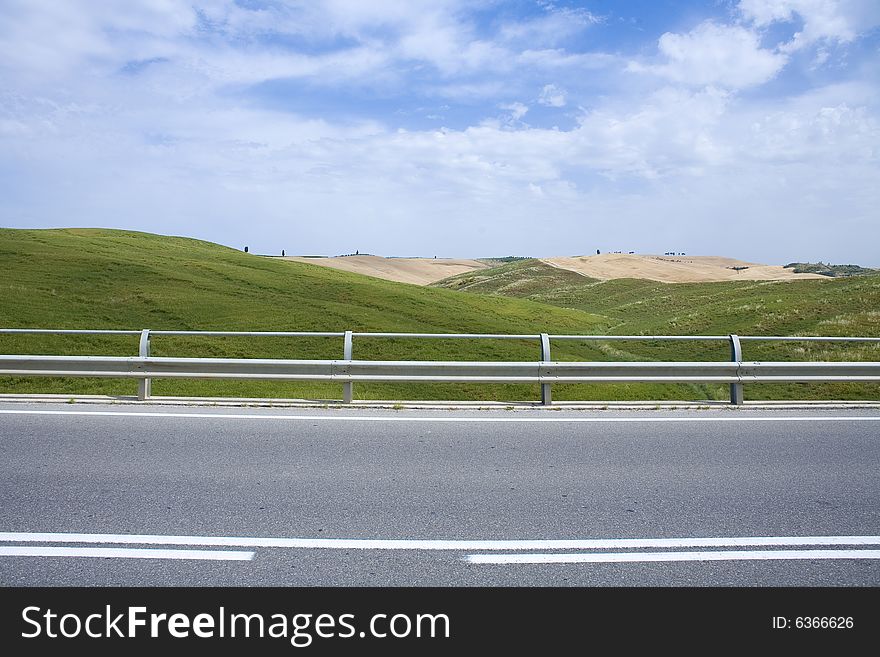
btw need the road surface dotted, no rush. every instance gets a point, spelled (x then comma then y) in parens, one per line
(154, 496)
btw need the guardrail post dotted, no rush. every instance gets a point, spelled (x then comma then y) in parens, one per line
(144, 385)
(736, 389)
(347, 388)
(546, 394)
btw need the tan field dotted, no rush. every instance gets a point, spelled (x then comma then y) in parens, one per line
(420, 271)
(606, 266)
(673, 269)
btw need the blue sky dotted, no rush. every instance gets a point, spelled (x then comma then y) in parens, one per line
(748, 128)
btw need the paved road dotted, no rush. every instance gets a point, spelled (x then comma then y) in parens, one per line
(421, 492)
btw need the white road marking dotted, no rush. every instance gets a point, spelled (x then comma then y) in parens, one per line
(398, 418)
(122, 553)
(433, 544)
(641, 557)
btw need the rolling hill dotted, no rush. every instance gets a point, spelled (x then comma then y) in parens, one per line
(821, 306)
(91, 278)
(606, 266)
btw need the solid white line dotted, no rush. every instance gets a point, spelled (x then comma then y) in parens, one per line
(403, 418)
(640, 557)
(122, 553)
(429, 544)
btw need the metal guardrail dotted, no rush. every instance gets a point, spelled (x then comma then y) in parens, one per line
(347, 371)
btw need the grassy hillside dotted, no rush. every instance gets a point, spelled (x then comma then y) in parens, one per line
(837, 307)
(88, 278)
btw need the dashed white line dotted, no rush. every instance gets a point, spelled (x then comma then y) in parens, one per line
(560, 556)
(404, 418)
(642, 557)
(435, 544)
(122, 553)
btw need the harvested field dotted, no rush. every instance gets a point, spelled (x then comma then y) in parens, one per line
(673, 269)
(419, 271)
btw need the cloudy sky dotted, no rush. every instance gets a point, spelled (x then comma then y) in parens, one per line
(748, 128)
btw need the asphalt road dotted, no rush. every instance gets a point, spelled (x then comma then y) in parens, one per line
(439, 483)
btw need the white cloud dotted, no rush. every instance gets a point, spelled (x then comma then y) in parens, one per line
(517, 110)
(832, 20)
(557, 58)
(725, 55)
(552, 96)
(838, 135)
(671, 132)
(56, 38)
(221, 40)
(555, 26)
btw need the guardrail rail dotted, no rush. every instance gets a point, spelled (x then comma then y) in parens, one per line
(544, 371)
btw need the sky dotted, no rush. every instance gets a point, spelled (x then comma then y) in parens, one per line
(743, 128)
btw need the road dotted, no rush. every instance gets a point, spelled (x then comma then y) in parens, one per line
(257, 496)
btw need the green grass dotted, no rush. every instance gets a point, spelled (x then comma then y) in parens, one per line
(834, 307)
(90, 278)
(830, 270)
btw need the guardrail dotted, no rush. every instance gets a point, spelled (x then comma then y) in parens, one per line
(347, 371)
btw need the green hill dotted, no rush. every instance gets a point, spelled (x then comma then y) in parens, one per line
(90, 278)
(835, 307)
